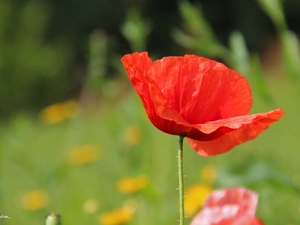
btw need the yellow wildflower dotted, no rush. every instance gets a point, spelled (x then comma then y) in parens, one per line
(59, 112)
(132, 135)
(209, 173)
(118, 216)
(35, 200)
(84, 154)
(195, 197)
(132, 184)
(90, 206)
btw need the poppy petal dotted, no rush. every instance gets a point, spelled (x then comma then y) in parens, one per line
(243, 132)
(201, 89)
(160, 112)
(215, 215)
(245, 199)
(224, 216)
(244, 220)
(232, 206)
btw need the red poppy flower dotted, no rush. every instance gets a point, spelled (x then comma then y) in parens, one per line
(233, 206)
(199, 98)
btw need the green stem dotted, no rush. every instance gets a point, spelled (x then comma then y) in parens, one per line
(180, 178)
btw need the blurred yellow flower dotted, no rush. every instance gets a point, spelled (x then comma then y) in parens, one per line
(195, 197)
(118, 216)
(209, 173)
(59, 112)
(84, 154)
(132, 184)
(132, 135)
(35, 200)
(90, 206)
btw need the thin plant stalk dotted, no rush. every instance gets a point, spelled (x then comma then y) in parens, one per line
(180, 178)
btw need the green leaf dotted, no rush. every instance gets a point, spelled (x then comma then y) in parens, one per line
(257, 173)
(136, 30)
(259, 79)
(291, 48)
(274, 9)
(195, 20)
(239, 52)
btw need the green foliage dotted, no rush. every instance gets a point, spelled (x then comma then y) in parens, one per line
(274, 9)
(35, 69)
(291, 55)
(198, 37)
(240, 52)
(29, 65)
(98, 43)
(259, 79)
(289, 40)
(36, 155)
(136, 29)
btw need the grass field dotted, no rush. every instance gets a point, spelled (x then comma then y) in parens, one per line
(41, 171)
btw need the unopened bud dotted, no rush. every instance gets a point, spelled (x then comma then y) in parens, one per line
(53, 219)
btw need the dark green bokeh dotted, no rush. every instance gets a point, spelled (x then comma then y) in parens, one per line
(44, 44)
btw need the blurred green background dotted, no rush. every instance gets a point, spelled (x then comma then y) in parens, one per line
(72, 126)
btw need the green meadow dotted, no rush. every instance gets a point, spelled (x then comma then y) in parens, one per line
(36, 155)
(75, 138)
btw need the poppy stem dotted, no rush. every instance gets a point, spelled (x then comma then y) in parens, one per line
(180, 178)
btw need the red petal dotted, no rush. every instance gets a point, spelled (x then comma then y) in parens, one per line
(256, 221)
(246, 129)
(215, 215)
(223, 216)
(201, 89)
(160, 112)
(242, 220)
(245, 199)
(232, 206)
